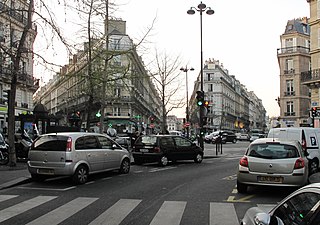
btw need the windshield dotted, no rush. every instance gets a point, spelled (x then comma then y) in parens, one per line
(273, 151)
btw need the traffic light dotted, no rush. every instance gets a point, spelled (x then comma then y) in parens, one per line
(98, 114)
(5, 96)
(200, 98)
(206, 104)
(313, 112)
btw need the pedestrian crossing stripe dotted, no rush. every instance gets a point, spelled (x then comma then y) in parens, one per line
(169, 213)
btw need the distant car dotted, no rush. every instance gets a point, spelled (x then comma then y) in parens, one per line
(243, 137)
(209, 137)
(302, 207)
(227, 136)
(165, 148)
(271, 162)
(256, 136)
(75, 154)
(175, 132)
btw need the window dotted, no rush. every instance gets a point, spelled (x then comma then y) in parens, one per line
(117, 111)
(289, 64)
(290, 108)
(117, 92)
(1, 32)
(88, 142)
(289, 87)
(210, 87)
(115, 44)
(298, 209)
(289, 44)
(105, 142)
(181, 142)
(166, 142)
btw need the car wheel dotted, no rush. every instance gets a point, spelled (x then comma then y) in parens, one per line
(38, 177)
(4, 159)
(198, 158)
(242, 188)
(163, 161)
(125, 166)
(313, 166)
(81, 175)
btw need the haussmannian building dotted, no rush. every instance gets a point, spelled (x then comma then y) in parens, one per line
(294, 60)
(13, 19)
(130, 103)
(231, 105)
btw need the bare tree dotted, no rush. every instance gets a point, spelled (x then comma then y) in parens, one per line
(168, 83)
(20, 48)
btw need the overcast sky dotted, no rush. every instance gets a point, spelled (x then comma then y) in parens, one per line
(243, 35)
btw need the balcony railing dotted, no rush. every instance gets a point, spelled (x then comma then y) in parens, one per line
(310, 75)
(294, 49)
(289, 93)
(289, 114)
(22, 76)
(291, 71)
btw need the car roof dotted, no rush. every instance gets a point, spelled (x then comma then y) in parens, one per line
(73, 134)
(275, 140)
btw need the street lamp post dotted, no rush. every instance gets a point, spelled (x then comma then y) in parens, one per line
(186, 69)
(201, 8)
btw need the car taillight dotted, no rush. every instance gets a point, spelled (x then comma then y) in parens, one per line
(156, 149)
(244, 161)
(299, 163)
(69, 144)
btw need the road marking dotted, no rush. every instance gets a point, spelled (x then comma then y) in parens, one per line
(60, 214)
(170, 213)
(223, 213)
(22, 207)
(116, 213)
(244, 199)
(161, 169)
(48, 189)
(231, 177)
(6, 197)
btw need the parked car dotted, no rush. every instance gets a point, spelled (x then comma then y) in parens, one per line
(165, 148)
(299, 208)
(176, 132)
(226, 136)
(243, 137)
(75, 154)
(209, 137)
(272, 162)
(309, 138)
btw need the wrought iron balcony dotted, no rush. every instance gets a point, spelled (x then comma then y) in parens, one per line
(293, 49)
(310, 76)
(289, 93)
(289, 114)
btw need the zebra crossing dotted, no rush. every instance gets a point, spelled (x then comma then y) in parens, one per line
(169, 213)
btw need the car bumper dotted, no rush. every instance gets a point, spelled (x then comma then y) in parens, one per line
(66, 170)
(147, 156)
(294, 180)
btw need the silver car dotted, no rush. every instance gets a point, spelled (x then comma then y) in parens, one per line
(75, 154)
(272, 162)
(302, 207)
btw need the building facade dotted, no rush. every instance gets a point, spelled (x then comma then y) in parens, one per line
(129, 98)
(310, 77)
(293, 59)
(231, 106)
(13, 19)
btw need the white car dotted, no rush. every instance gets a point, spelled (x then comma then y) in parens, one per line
(302, 207)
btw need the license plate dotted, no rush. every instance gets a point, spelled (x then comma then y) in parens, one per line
(45, 171)
(270, 179)
(144, 150)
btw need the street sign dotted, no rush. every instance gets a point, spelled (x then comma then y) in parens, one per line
(151, 125)
(187, 124)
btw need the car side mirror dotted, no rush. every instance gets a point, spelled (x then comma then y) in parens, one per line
(266, 219)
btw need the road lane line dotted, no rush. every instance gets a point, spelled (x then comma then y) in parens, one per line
(116, 213)
(7, 197)
(23, 207)
(223, 213)
(170, 213)
(60, 214)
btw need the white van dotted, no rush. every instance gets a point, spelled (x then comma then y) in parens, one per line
(309, 138)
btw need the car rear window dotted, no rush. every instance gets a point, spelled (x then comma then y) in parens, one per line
(50, 143)
(147, 140)
(273, 151)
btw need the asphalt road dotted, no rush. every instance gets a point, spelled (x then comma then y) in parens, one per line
(183, 193)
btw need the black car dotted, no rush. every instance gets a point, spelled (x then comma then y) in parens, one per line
(226, 136)
(165, 148)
